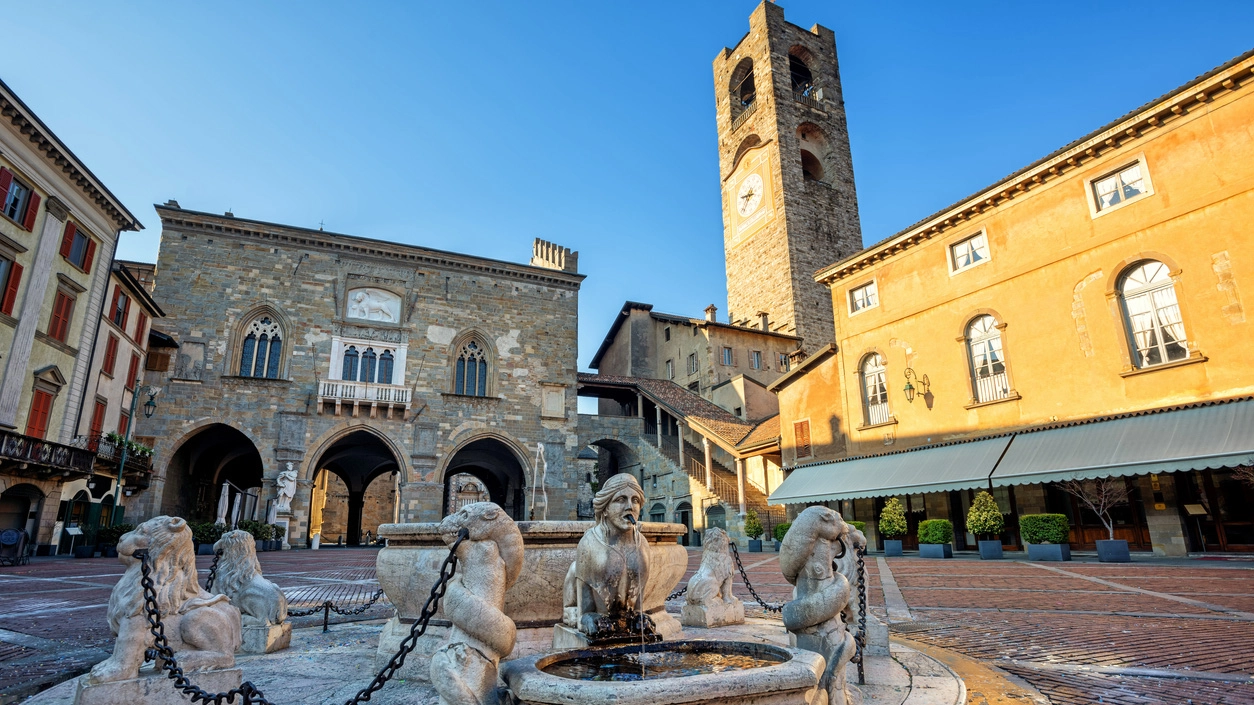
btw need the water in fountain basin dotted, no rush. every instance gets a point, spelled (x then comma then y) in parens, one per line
(631, 666)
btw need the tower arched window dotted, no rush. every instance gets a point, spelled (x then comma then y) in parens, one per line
(802, 78)
(261, 351)
(386, 362)
(1152, 314)
(470, 374)
(988, 363)
(741, 87)
(874, 389)
(349, 371)
(368, 360)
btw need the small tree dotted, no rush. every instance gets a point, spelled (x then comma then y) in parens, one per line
(753, 527)
(893, 519)
(1100, 496)
(1245, 474)
(985, 518)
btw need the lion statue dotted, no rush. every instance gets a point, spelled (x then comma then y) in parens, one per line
(710, 600)
(203, 629)
(817, 539)
(260, 601)
(490, 559)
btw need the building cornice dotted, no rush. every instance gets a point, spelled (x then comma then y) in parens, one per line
(45, 141)
(1162, 112)
(197, 222)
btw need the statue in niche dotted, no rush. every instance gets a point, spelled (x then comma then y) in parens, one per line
(286, 483)
(374, 305)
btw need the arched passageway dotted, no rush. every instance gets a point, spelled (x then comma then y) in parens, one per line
(354, 488)
(496, 466)
(19, 508)
(614, 457)
(217, 454)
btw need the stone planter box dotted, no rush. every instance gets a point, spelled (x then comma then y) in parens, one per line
(84, 551)
(892, 547)
(410, 563)
(936, 550)
(1049, 551)
(1113, 551)
(755, 546)
(990, 550)
(204, 549)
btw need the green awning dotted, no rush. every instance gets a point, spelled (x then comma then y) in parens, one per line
(936, 469)
(1215, 436)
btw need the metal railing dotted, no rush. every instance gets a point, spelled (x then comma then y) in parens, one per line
(877, 414)
(364, 391)
(809, 97)
(744, 115)
(992, 388)
(27, 449)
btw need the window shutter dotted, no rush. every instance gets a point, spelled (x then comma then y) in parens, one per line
(32, 209)
(801, 432)
(132, 374)
(37, 419)
(113, 303)
(97, 420)
(91, 255)
(140, 323)
(67, 239)
(111, 355)
(10, 289)
(6, 180)
(126, 312)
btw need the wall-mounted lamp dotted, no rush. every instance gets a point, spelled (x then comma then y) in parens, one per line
(91, 483)
(923, 384)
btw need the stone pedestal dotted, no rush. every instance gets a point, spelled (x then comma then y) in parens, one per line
(266, 639)
(716, 613)
(152, 687)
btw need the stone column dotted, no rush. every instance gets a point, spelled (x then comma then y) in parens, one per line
(679, 431)
(639, 405)
(740, 485)
(709, 464)
(658, 409)
(38, 274)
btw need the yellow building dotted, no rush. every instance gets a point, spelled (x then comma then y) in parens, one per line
(1082, 317)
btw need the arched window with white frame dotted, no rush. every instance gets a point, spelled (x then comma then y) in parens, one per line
(261, 350)
(470, 373)
(386, 362)
(874, 389)
(351, 358)
(368, 360)
(1152, 314)
(989, 381)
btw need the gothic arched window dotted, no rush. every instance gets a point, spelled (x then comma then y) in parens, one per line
(471, 371)
(368, 359)
(874, 389)
(386, 361)
(988, 362)
(261, 351)
(349, 372)
(1152, 314)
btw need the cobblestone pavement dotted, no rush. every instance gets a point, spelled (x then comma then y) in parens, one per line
(52, 611)
(1153, 631)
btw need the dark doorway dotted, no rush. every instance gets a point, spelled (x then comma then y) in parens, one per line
(1223, 510)
(356, 459)
(19, 509)
(1087, 527)
(194, 477)
(716, 517)
(494, 464)
(683, 515)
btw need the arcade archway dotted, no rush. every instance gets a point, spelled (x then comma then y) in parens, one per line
(495, 465)
(354, 488)
(215, 455)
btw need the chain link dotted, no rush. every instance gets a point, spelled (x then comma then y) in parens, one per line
(745, 576)
(247, 693)
(860, 637)
(213, 571)
(678, 593)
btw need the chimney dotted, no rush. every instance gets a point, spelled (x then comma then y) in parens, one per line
(552, 256)
(711, 313)
(764, 320)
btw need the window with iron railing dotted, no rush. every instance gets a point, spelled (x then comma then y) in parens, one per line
(875, 389)
(988, 363)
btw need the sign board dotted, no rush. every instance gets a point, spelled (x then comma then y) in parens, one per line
(74, 531)
(1195, 510)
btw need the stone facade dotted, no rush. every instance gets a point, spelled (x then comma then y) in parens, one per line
(789, 203)
(222, 279)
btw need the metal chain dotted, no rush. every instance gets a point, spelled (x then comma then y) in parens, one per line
(678, 593)
(373, 599)
(213, 571)
(860, 637)
(248, 694)
(745, 576)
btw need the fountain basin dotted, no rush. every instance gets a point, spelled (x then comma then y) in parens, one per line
(685, 672)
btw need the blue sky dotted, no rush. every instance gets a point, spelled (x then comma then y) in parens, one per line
(477, 127)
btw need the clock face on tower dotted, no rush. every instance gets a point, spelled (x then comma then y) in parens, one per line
(749, 197)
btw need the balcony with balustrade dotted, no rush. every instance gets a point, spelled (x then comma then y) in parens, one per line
(363, 398)
(27, 456)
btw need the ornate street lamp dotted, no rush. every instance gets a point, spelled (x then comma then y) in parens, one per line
(924, 384)
(150, 407)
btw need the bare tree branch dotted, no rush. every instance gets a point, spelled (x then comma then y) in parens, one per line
(1245, 474)
(1100, 496)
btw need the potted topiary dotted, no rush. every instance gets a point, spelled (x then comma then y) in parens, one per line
(985, 520)
(778, 533)
(1046, 536)
(892, 526)
(107, 538)
(753, 529)
(1100, 496)
(276, 532)
(205, 535)
(255, 529)
(936, 538)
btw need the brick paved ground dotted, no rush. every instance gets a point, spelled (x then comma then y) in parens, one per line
(52, 612)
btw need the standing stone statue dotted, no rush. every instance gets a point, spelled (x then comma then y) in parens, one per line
(463, 669)
(262, 605)
(286, 482)
(203, 629)
(603, 594)
(820, 595)
(710, 602)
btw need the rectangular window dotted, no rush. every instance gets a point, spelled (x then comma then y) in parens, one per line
(968, 252)
(863, 297)
(692, 363)
(40, 409)
(97, 423)
(670, 369)
(666, 333)
(755, 359)
(801, 437)
(18, 201)
(736, 411)
(695, 387)
(120, 309)
(783, 362)
(78, 247)
(123, 420)
(132, 374)
(62, 310)
(110, 355)
(1123, 185)
(728, 357)
(11, 276)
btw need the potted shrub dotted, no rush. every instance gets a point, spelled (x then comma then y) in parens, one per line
(276, 542)
(936, 538)
(1100, 496)
(255, 529)
(985, 520)
(778, 533)
(892, 526)
(753, 529)
(1046, 536)
(87, 546)
(107, 538)
(205, 535)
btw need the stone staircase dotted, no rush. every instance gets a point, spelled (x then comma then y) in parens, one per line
(725, 486)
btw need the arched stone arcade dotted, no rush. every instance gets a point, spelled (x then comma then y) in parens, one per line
(211, 456)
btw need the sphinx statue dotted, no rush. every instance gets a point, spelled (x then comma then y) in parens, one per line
(603, 593)
(262, 605)
(710, 602)
(821, 600)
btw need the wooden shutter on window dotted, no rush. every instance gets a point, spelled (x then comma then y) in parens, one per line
(132, 375)
(126, 312)
(140, 323)
(123, 418)
(62, 308)
(111, 355)
(32, 209)
(67, 239)
(801, 432)
(90, 256)
(97, 420)
(113, 303)
(37, 420)
(10, 289)
(6, 180)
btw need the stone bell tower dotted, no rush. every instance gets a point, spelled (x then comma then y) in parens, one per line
(789, 206)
